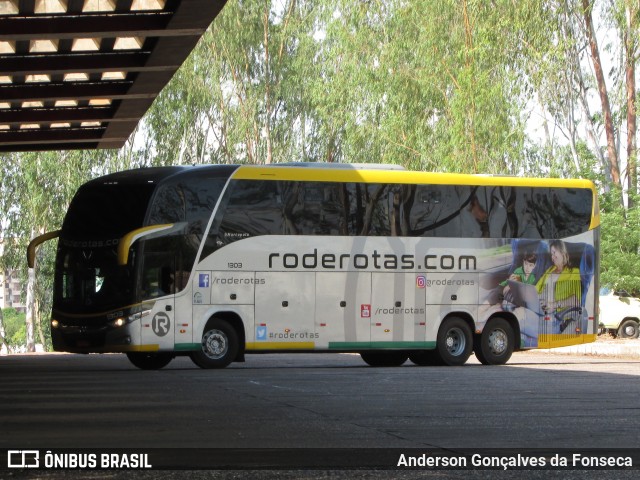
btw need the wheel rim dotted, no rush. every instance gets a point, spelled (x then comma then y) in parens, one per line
(215, 344)
(455, 342)
(498, 341)
(630, 330)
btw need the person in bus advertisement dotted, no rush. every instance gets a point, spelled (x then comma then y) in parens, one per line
(523, 273)
(560, 287)
(556, 279)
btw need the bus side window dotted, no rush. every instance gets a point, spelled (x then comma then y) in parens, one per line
(191, 203)
(436, 211)
(368, 209)
(333, 214)
(536, 213)
(253, 208)
(319, 209)
(400, 201)
(571, 210)
(501, 205)
(168, 205)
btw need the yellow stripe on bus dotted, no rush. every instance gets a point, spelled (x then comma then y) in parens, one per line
(145, 348)
(280, 345)
(311, 174)
(562, 340)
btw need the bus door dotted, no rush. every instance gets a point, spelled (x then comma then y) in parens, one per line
(398, 310)
(158, 286)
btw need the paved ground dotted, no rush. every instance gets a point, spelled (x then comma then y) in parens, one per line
(554, 401)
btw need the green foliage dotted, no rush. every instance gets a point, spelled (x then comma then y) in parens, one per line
(14, 327)
(431, 85)
(620, 243)
(35, 190)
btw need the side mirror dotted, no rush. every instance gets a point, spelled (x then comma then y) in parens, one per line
(126, 241)
(31, 249)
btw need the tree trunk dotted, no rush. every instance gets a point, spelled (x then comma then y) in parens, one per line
(31, 303)
(630, 72)
(267, 92)
(4, 347)
(604, 96)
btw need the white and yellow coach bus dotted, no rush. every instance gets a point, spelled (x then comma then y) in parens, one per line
(216, 262)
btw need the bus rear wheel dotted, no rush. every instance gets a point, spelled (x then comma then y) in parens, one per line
(149, 360)
(496, 343)
(384, 359)
(455, 341)
(219, 345)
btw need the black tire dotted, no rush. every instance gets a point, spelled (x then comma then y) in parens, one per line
(149, 360)
(628, 329)
(219, 345)
(425, 358)
(455, 341)
(496, 343)
(384, 359)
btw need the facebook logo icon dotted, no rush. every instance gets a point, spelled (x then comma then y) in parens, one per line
(203, 280)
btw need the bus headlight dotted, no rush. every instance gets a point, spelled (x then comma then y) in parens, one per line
(122, 321)
(118, 322)
(54, 323)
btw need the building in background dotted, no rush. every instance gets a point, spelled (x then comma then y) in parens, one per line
(10, 290)
(10, 287)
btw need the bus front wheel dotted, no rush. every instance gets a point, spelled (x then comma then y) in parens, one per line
(219, 345)
(149, 360)
(496, 343)
(455, 341)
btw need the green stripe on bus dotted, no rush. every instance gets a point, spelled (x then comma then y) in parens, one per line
(380, 345)
(187, 347)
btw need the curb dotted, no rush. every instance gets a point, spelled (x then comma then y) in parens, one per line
(616, 348)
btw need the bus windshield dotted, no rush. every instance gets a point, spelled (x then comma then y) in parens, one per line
(88, 278)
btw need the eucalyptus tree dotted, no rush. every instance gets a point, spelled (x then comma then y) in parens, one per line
(239, 96)
(433, 85)
(456, 89)
(620, 210)
(36, 190)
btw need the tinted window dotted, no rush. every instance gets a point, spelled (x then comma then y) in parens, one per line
(511, 212)
(168, 260)
(368, 209)
(323, 208)
(190, 201)
(251, 208)
(111, 210)
(570, 212)
(441, 210)
(315, 208)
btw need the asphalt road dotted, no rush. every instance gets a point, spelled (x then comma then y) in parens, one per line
(297, 405)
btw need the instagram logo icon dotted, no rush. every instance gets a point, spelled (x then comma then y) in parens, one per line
(421, 281)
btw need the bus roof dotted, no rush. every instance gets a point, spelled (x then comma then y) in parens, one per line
(154, 175)
(377, 175)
